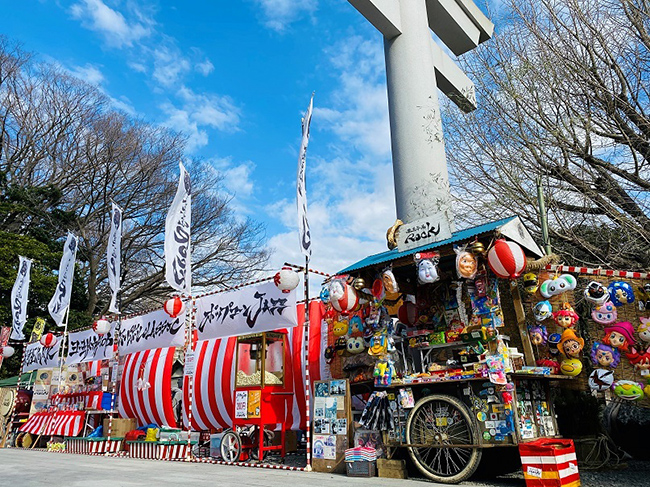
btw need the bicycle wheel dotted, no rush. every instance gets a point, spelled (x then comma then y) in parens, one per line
(440, 420)
(230, 446)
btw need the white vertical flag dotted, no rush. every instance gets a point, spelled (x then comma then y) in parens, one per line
(113, 257)
(178, 262)
(61, 299)
(301, 192)
(19, 298)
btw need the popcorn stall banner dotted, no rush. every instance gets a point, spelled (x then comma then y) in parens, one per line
(61, 299)
(153, 330)
(247, 310)
(39, 357)
(19, 298)
(87, 346)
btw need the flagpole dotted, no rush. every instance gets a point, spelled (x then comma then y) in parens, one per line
(116, 368)
(307, 378)
(190, 383)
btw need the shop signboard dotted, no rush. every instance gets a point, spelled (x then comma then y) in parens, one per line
(421, 232)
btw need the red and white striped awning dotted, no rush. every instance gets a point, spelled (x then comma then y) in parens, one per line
(57, 423)
(37, 423)
(66, 423)
(152, 403)
(214, 374)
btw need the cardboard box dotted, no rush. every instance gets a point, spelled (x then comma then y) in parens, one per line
(120, 426)
(391, 469)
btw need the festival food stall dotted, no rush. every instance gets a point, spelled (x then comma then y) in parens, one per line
(436, 340)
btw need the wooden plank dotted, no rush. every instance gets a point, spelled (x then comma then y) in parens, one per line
(529, 355)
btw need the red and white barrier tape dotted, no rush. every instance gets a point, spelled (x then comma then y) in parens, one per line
(597, 272)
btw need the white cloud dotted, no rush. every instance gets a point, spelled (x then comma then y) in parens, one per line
(169, 65)
(118, 32)
(278, 14)
(193, 113)
(205, 67)
(350, 190)
(89, 73)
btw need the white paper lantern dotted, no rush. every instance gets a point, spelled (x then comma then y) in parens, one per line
(7, 351)
(48, 340)
(102, 326)
(286, 279)
(174, 306)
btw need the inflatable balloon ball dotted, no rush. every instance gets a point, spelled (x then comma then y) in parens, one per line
(557, 286)
(571, 367)
(343, 297)
(325, 295)
(620, 293)
(600, 380)
(596, 293)
(628, 390)
(506, 259)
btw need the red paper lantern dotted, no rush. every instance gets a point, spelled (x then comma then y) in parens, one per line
(174, 306)
(286, 279)
(102, 326)
(48, 340)
(408, 313)
(506, 259)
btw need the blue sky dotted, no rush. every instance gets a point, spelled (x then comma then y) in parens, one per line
(235, 76)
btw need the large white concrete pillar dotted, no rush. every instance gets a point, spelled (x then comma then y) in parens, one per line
(418, 149)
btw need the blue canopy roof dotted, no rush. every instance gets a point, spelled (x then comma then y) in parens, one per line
(394, 254)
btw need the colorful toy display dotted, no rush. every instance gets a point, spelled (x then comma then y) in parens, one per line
(619, 335)
(565, 317)
(340, 328)
(557, 286)
(604, 314)
(628, 390)
(605, 355)
(538, 334)
(531, 283)
(506, 259)
(644, 330)
(466, 263)
(571, 344)
(543, 310)
(596, 293)
(620, 293)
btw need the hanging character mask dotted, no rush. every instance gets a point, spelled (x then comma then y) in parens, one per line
(531, 283)
(604, 314)
(604, 355)
(466, 264)
(565, 317)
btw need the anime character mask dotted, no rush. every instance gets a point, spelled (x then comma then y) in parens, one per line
(542, 310)
(466, 264)
(605, 313)
(596, 293)
(531, 283)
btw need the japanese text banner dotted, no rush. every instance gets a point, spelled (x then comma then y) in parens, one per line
(88, 346)
(153, 330)
(39, 357)
(247, 310)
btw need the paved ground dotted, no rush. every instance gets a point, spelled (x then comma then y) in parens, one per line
(22, 468)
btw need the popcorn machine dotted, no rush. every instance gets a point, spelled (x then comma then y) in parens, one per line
(261, 396)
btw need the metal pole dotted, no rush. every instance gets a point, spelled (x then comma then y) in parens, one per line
(542, 216)
(189, 349)
(307, 378)
(114, 371)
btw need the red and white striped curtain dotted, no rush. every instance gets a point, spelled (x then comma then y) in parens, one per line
(214, 374)
(57, 423)
(152, 403)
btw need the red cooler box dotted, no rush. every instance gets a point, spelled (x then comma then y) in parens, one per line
(549, 462)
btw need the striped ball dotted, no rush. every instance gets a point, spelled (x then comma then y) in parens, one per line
(174, 306)
(343, 300)
(506, 259)
(48, 340)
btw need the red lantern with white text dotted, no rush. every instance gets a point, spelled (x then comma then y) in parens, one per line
(174, 306)
(102, 326)
(48, 340)
(343, 297)
(286, 279)
(506, 259)
(6, 351)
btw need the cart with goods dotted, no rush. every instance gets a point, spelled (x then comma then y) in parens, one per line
(261, 398)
